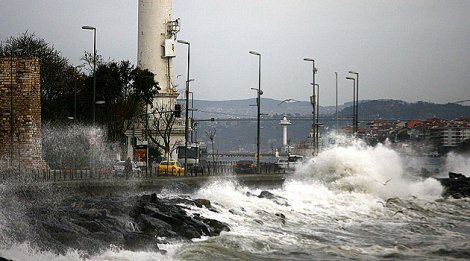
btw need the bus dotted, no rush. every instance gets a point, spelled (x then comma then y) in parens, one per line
(196, 156)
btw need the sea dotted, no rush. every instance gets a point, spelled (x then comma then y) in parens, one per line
(351, 202)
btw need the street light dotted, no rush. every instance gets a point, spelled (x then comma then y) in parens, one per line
(354, 104)
(12, 127)
(192, 114)
(356, 112)
(187, 103)
(318, 114)
(87, 27)
(336, 74)
(258, 103)
(312, 101)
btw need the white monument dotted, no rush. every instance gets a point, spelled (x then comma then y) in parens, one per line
(285, 123)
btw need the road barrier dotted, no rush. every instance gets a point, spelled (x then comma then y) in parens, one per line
(56, 175)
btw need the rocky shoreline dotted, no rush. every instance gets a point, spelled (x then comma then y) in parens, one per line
(92, 225)
(456, 185)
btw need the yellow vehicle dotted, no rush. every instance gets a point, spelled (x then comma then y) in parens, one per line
(171, 167)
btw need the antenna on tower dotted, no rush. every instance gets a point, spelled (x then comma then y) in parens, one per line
(173, 27)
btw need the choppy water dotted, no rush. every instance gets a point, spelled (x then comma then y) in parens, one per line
(353, 202)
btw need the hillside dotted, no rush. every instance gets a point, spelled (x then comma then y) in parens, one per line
(235, 121)
(396, 109)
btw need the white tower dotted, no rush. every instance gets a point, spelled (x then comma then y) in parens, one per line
(284, 123)
(156, 50)
(156, 46)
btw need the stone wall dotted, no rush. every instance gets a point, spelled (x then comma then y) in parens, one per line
(20, 91)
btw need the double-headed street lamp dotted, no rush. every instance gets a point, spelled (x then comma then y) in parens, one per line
(186, 127)
(356, 112)
(312, 101)
(87, 27)
(354, 104)
(258, 103)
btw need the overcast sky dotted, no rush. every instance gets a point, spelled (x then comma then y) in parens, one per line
(403, 49)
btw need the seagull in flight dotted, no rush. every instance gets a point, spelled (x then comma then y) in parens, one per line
(385, 183)
(288, 101)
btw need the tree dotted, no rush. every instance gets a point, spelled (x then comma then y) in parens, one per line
(127, 92)
(58, 78)
(158, 125)
(211, 135)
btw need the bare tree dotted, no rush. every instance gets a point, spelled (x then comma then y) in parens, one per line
(211, 135)
(158, 126)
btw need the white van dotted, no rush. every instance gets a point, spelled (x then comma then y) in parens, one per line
(294, 161)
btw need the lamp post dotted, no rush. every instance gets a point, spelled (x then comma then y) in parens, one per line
(187, 103)
(258, 103)
(336, 74)
(318, 114)
(356, 112)
(312, 101)
(354, 104)
(87, 27)
(192, 114)
(12, 127)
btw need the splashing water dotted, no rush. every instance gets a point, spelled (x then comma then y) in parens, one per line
(459, 163)
(357, 167)
(352, 201)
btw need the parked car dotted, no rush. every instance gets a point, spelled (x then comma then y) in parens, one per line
(295, 161)
(171, 167)
(245, 166)
(282, 164)
(119, 167)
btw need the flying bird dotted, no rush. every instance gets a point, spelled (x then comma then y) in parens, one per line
(288, 101)
(385, 183)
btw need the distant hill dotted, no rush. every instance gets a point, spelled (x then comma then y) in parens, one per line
(396, 109)
(247, 108)
(368, 109)
(235, 120)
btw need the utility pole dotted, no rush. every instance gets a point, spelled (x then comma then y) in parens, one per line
(336, 73)
(258, 103)
(186, 126)
(354, 105)
(312, 101)
(356, 112)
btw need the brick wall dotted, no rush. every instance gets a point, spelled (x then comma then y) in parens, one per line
(20, 82)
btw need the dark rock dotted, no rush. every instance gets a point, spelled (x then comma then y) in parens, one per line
(92, 213)
(456, 186)
(152, 225)
(188, 231)
(282, 216)
(203, 202)
(277, 199)
(216, 226)
(266, 194)
(136, 211)
(114, 238)
(138, 241)
(153, 198)
(454, 175)
(4, 259)
(91, 224)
